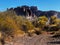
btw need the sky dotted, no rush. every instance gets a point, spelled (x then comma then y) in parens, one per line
(43, 5)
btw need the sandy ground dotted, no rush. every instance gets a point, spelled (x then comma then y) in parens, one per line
(34, 40)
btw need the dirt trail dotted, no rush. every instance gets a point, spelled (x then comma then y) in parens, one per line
(35, 40)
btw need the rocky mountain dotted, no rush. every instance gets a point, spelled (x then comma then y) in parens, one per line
(33, 11)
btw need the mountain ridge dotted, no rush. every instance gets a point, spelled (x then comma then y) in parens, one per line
(33, 11)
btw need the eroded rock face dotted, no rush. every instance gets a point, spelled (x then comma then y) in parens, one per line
(33, 10)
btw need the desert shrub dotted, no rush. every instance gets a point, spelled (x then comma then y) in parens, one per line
(23, 23)
(39, 24)
(13, 23)
(42, 21)
(54, 20)
(8, 26)
(54, 23)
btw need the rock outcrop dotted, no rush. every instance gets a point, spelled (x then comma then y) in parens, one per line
(33, 11)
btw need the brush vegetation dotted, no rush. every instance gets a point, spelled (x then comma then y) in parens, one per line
(12, 25)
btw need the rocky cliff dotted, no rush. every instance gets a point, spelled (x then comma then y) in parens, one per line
(33, 11)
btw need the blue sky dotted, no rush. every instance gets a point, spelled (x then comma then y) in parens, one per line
(41, 4)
